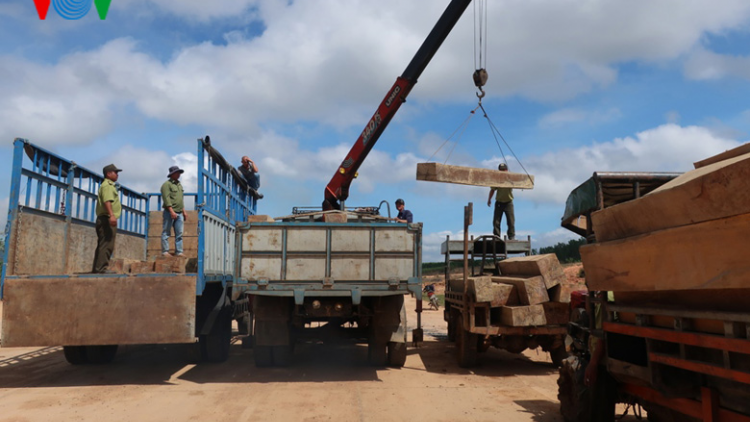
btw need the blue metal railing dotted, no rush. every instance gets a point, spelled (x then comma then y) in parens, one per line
(43, 182)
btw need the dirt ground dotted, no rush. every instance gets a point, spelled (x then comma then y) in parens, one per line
(325, 383)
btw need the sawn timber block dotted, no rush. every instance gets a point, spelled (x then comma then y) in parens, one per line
(170, 264)
(547, 266)
(260, 219)
(710, 255)
(715, 191)
(121, 265)
(523, 316)
(531, 290)
(561, 292)
(436, 172)
(142, 267)
(556, 313)
(484, 290)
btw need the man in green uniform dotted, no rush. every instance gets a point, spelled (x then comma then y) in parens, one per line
(108, 209)
(503, 205)
(174, 215)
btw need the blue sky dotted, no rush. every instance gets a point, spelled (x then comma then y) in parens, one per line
(574, 87)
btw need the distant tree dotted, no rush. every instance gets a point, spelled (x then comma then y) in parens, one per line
(566, 252)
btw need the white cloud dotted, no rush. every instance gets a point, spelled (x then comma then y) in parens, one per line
(331, 62)
(576, 115)
(668, 147)
(707, 65)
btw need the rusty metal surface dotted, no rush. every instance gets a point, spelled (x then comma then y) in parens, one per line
(98, 310)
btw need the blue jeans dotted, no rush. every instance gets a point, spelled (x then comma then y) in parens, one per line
(167, 225)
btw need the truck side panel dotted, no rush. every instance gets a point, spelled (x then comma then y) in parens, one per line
(47, 244)
(159, 309)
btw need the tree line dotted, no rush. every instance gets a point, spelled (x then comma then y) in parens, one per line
(566, 252)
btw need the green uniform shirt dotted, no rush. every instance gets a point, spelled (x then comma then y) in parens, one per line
(108, 192)
(171, 193)
(503, 194)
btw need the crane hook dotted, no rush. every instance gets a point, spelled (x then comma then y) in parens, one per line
(480, 77)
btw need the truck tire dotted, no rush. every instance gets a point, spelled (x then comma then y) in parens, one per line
(377, 353)
(396, 354)
(452, 323)
(282, 355)
(558, 355)
(75, 355)
(466, 346)
(579, 403)
(100, 355)
(263, 356)
(215, 345)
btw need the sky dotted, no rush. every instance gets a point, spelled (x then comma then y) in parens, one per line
(574, 87)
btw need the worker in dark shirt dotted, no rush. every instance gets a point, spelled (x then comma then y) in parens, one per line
(250, 172)
(404, 216)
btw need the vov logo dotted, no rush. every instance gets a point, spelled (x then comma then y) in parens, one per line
(72, 9)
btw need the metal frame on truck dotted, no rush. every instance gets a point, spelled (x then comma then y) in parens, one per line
(49, 246)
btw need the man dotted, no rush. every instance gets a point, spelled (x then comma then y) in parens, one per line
(174, 216)
(404, 216)
(503, 205)
(249, 171)
(108, 210)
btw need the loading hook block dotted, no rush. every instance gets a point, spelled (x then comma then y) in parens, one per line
(480, 79)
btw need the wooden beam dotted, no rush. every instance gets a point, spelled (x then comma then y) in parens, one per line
(484, 290)
(546, 266)
(734, 152)
(715, 191)
(523, 316)
(531, 290)
(710, 255)
(436, 172)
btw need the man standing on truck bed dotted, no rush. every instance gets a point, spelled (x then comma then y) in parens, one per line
(503, 204)
(174, 215)
(108, 209)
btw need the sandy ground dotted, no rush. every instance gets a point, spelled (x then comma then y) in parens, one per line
(325, 383)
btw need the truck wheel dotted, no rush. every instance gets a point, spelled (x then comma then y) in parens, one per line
(101, 354)
(558, 355)
(377, 354)
(75, 355)
(282, 355)
(215, 345)
(466, 346)
(396, 354)
(575, 400)
(263, 356)
(452, 317)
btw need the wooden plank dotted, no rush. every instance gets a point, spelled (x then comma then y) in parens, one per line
(734, 152)
(556, 313)
(436, 172)
(718, 190)
(98, 310)
(484, 290)
(260, 219)
(142, 267)
(523, 316)
(710, 255)
(546, 266)
(531, 290)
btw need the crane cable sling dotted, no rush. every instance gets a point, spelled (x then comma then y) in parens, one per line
(495, 133)
(462, 127)
(480, 28)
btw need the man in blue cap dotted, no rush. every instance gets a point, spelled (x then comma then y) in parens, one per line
(108, 210)
(174, 216)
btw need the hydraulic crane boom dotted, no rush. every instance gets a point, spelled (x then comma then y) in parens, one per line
(338, 188)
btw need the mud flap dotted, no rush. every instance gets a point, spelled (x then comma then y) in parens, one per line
(272, 318)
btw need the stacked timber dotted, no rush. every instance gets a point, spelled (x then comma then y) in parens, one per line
(529, 292)
(682, 244)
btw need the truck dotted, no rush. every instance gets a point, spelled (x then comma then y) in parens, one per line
(51, 298)
(338, 273)
(666, 331)
(476, 319)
